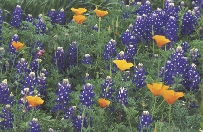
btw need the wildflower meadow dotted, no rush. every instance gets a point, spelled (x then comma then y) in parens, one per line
(101, 66)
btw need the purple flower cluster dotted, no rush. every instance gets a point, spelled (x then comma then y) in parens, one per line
(40, 25)
(72, 54)
(35, 65)
(64, 90)
(86, 96)
(5, 97)
(87, 59)
(122, 96)
(17, 17)
(34, 125)
(57, 17)
(177, 65)
(160, 22)
(140, 76)
(110, 50)
(7, 117)
(107, 89)
(145, 122)
(59, 58)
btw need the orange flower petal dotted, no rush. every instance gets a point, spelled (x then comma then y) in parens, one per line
(79, 11)
(100, 13)
(161, 40)
(171, 96)
(103, 103)
(17, 45)
(157, 88)
(79, 19)
(34, 101)
(122, 64)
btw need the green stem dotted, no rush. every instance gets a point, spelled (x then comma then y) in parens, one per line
(32, 113)
(158, 67)
(110, 72)
(169, 115)
(83, 116)
(99, 28)
(154, 106)
(159, 105)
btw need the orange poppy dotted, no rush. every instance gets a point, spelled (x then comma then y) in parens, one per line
(161, 40)
(122, 64)
(100, 13)
(79, 11)
(79, 19)
(156, 88)
(103, 103)
(171, 96)
(34, 100)
(17, 45)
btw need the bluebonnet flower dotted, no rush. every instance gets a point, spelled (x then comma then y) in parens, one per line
(35, 65)
(60, 17)
(95, 27)
(59, 58)
(194, 54)
(12, 50)
(1, 22)
(30, 82)
(107, 89)
(131, 51)
(145, 8)
(63, 98)
(52, 14)
(188, 23)
(126, 36)
(122, 96)
(145, 122)
(43, 70)
(22, 66)
(196, 12)
(4, 92)
(158, 23)
(21, 70)
(166, 4)
(41, 84)
(34, 125)
(171, 10)
(121, 56)
(69, 113)
(30, 19)
(110, 50)
(185, 46)
(171, 31)
(87, 77)
(72, 54)
(87, 59)
(17, 17)
(167, 73)
(86, 96)
(40, 25)
(139, 27)
(7, 117)
(78, 122)
(140, 76)
(193, 78)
